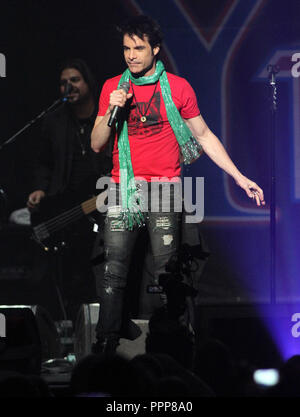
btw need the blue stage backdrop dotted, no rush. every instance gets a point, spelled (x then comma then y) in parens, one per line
(223, 48)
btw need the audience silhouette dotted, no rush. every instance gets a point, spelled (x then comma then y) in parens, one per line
(173, 366)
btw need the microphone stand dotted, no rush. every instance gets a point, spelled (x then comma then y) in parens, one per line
(33, 121)
(273, 70)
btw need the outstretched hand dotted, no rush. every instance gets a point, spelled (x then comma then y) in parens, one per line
(252, 190)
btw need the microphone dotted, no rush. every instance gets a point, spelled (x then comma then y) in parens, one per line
(68, 89)
(272, 70)
(116, 110)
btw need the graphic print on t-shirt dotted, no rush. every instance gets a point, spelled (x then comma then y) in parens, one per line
(153, 124)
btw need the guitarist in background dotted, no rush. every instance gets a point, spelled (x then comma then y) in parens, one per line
(67, 166)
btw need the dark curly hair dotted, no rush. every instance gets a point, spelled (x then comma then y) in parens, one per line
(142, 26)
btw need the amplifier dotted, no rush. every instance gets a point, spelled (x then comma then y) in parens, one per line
(28, 336)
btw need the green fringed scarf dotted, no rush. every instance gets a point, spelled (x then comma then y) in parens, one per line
(190, 149)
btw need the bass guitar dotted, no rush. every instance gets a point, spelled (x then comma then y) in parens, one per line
(45, 228)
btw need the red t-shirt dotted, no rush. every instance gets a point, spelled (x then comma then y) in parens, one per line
(153, 146)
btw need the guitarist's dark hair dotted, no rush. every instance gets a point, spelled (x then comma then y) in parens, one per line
(84, 70)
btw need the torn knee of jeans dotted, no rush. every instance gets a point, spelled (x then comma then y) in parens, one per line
(167, 239)
(115, 270)
(108, 290)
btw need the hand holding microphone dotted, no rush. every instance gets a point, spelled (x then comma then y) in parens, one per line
(118, 100)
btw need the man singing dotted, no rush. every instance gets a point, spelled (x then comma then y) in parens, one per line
(160, 125)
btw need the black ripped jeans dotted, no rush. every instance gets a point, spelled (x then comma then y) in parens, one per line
(164, 231)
